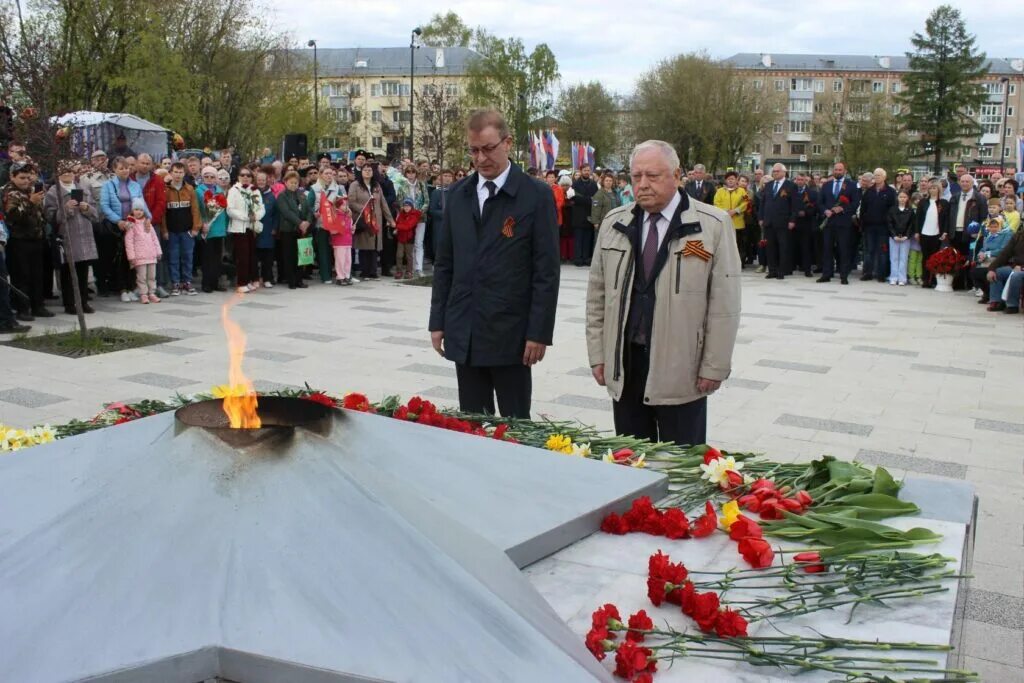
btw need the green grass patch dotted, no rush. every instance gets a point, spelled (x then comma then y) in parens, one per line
(99, 341)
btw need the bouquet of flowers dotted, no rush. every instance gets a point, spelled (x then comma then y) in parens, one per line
(945, 261)
(842, 201)
(214, 203)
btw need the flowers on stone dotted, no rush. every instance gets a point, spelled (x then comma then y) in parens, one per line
(770, 502)
(632, 659)
(810, 562)
(638, 624)
(730, 624)
(321, 398)
(624, 456)
(757, 552)
(706, 523)
(357, 402)
(743, 527)
(730, 513)
(559, 443)
(13, 439)
(717, 471)
(581, 450)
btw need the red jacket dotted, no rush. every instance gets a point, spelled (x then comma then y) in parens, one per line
(155, 194)
(405, 225)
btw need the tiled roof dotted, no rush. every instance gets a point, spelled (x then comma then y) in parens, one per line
(815, 62)
(389, 61)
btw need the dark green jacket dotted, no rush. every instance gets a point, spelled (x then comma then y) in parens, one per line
(292, 208)
(603, 203)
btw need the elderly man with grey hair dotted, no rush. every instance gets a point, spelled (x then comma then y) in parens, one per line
(700, 188)
(663, 303)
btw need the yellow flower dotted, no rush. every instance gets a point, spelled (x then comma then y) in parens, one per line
(639, 462)
(730, 513)
(582, 450)
(226, 390)
(42, 434)
(559, 443)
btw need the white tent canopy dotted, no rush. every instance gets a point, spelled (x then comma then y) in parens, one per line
(92, 130)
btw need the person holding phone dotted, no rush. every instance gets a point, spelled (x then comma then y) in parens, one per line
(26, 248)
(72, 216)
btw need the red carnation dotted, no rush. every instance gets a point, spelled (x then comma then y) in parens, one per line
(613, 524)
(729, 624)
(640, 509)
(633, 659)
(415, 404)
(402, 413)
(653, 524)
(603, 617)
(706, 523)
(638, 623)
(321, 398)
(685, 598)
(221, 200)
(595, 641)
(843, 199)
(208, 195)
(756, 552)
(710, 454)
(705, 610)
(357, 402)
(499, 432)
(656, 590)
(675, 524)
(744, 527)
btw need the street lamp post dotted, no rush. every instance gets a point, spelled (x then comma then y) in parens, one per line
(1002, 131)
(316, 95)
(412, 91)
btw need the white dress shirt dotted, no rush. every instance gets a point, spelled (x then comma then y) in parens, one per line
(961, 209)
(666, 217)
(481, 192)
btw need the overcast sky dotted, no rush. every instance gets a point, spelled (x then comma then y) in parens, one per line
(617, 41)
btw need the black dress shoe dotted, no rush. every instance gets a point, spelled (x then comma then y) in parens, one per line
(982, 300)
(824, 279)
(769, 276)
(218, 288)
(880, 279)
(42, 313)
(844, 281)
(25, 317)
(86, 308)
(14, 328)
(780, 277)
(865, 278)
(302, 285)
(808, 273)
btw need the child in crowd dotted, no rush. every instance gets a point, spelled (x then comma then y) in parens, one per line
(405, 235)
(142, 246)
(1011, 217)
(341, 243)
(997, 237)
(915, 262)
(901, 229)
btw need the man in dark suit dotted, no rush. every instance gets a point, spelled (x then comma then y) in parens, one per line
(838, 198)
(806, 223)
(700, 188)
(777, 216)
(969, 206)
(492, 309)
(584, 188)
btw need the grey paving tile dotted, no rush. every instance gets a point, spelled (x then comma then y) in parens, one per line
(908, 313)
(744, 340)
(261, 307)
(155, 379)
(995, 608)
(789, 365)
(1004, 352)
(447, 393)
(395, 327)
(965, 323)
(999, 426)
(884, 350)
(312, 336)
(577, 401)
(821, 425)
(371, 299)
(377, 309)
(29, 398)
(428, 369)
(177, 332)
(765, 316)
(740, 383)
(407, 341)
(913, 464)
(854, 298)
(889, 293)
(273, 356)
(180, 312)
(809, 328)
(785, 305)
(173, 350)
(580, 372)
(187, 301)
(781, 296)
(855, 321)
(946, 370)
(263, 385)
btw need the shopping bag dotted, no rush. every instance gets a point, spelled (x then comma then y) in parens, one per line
(305, 251)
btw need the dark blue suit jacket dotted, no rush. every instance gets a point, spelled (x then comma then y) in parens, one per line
(779, 209)
(827, 200)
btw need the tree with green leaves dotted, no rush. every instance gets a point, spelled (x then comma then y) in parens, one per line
(446, 30)
(942, 89)
(588, 112)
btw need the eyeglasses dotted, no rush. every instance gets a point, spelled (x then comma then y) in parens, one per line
(487, 150)
(245, 175)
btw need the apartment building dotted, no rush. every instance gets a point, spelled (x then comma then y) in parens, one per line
(815, 93)
(368, 89)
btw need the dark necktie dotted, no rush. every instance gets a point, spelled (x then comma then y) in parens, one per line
(776, 190)
(491, 189)
(651, 245)
(835, 189)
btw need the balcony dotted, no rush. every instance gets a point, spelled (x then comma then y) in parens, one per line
(798, 137)
(392, 127)
(338, 102)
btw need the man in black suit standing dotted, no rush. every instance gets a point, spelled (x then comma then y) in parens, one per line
(838, 198)
(806, 223)
(777, 216)
(700, 188)
(584, 188)
(492, 310)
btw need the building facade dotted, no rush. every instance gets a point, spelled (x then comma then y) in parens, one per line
(821, 93)
(365, 95)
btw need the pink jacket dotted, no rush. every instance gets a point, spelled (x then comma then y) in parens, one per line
(142, 246)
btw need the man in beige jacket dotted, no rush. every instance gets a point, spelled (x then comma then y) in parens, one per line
(663, 303)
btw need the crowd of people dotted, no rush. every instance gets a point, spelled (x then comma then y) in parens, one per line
(127, 226)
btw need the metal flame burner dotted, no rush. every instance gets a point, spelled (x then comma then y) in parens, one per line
(279, 415)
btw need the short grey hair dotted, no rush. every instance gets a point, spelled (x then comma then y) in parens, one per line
(699, 167)
(967, 175)
(667, 150)
(867, 176)
(782, 166)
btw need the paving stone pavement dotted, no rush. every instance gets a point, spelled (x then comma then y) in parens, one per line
(932, 387)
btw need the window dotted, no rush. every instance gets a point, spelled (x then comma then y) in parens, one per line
(991, 118)
(758, 84)
(816, 150)
(985, 152)
(355, 90)
(798, 148)
(389, 88)
(375, 90)
(859, 86)
(801, 84)
(757, 147)
(837, 107)
(1009, 132)
(776, 149)
(878, 86)
(777, 128)
(757, 106)
(800, 106)
(376, 142)
(819, 107)
(451, 89)
(837, 85)
(780, 84)
(400, 115)
(858, 108)
(1006, 152)
(429, 89)
(376, 116)
(833, 149)
(895, 87)
(1009, 111)
(896, 109)
(1013, 88)
(799, 126)
(995, 88)
(819, 85)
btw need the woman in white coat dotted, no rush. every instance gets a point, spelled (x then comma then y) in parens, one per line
(245, 211)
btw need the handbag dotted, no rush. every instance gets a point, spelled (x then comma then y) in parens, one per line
(305, 245)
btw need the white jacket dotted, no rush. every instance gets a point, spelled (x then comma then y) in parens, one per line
(240, 200)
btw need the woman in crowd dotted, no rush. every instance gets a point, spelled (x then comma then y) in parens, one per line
(215, 222)
(369, 215)
(294, 219)
(902, 224)
(72, 219)
(605, 200)
(931, 217)
(266, 241)
(415, 189)
(245, 213)
(116, 204)
(565, 237)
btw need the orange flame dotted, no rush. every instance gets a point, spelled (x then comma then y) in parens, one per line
(240, 398)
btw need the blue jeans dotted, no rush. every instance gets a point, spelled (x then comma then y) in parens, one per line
(179, 255)
(874, 260)
(899, 254)
(162, 267)
(995, 289)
